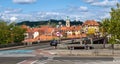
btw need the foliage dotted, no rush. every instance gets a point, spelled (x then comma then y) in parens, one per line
(52, 22)
(105, 26)
(111, 26)
(9, 33)
(4, 33)
(91, 31)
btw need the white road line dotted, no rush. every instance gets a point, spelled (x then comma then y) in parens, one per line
(26, 60)
(21, 62)
(34, 61)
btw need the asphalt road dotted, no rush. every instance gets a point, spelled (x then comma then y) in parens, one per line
(12, 60)
(75, 60)
(15, 60)
(39, 46)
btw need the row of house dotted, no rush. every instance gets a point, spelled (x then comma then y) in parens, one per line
(48, 33)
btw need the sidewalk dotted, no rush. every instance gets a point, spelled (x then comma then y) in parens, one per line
(70, 54)
(60, 56)
(94, 52)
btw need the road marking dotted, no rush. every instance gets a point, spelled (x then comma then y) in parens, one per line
(27, 62)
(21, 62)
(116, 59)
(34, 61)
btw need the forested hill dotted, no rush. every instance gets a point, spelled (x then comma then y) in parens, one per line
(49, 22)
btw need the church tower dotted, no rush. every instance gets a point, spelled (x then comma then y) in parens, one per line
(67, 22)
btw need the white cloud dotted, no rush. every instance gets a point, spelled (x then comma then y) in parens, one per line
(74, 9)
(49, 15)
(13, 18)
(105, 16)
(52, 13)
(83, 8)
(90, 1)
(32, 16)
(105, 3)
(81, 13)
(82, 16)
(24, 1)
(4, 17)
(10, 10)
(55, 15)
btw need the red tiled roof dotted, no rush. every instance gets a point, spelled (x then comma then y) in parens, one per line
(46, 29)
(49, 30)
(32, 29)
(30, 40)
(91, 23)
(44, 37)
(24, 26)
(64, 28)
(29, 30)
(75, 28)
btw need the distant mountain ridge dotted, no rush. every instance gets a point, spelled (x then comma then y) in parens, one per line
(48, 22)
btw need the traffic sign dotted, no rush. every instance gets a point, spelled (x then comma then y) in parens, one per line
(58, 34)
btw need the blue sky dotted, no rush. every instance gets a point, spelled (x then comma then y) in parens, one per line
(34, 10)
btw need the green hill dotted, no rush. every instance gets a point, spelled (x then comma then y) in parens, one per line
(48, 22)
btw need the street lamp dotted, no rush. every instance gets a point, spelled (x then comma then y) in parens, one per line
(60, 32)
(11, 34)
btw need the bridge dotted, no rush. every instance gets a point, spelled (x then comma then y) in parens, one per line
(80, 43)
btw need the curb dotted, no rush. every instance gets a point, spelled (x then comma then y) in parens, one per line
(9, 48)
(16, 47)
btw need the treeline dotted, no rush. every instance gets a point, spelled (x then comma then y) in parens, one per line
(111, 26)
(10, 33)
(52, 22)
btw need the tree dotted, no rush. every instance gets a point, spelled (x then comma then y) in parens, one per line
(104, 26)
(18, 34)
(111, 26)
(4, 33)
(91, 31)
(9, 33)
(114, 23)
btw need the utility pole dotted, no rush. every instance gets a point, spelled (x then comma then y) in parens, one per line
(60, 32)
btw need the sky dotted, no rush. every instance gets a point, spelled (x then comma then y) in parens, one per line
(35, 10)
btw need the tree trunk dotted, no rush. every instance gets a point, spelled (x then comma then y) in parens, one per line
(112, 48)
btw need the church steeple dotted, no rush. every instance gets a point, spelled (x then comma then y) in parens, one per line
(67, 22)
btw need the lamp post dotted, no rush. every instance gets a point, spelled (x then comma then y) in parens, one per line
(59, 32)
(11, 34)
(81, 38)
